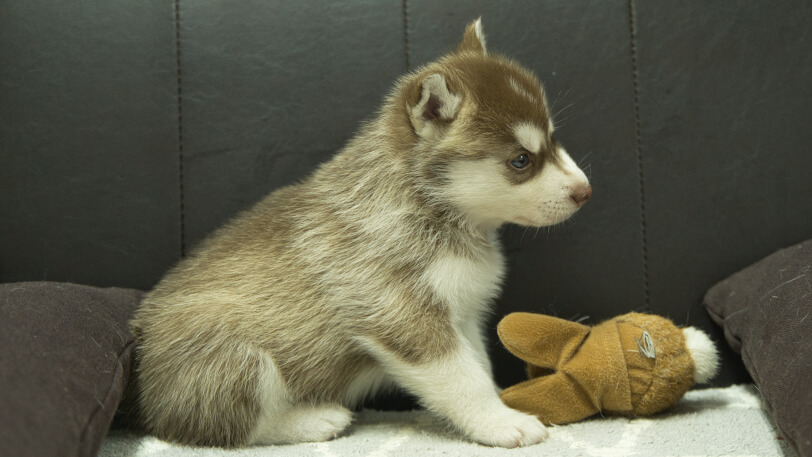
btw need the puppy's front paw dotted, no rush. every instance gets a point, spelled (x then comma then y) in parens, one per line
(508, 428)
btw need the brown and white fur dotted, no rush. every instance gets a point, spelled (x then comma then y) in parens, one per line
(376, 271)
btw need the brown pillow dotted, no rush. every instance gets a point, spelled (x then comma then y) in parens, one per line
(766, 313)
(65, 355)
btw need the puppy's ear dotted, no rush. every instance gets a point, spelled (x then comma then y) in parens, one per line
(436, 106)
(473, 39)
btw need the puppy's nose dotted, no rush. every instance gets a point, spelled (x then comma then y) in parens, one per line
(581, 194)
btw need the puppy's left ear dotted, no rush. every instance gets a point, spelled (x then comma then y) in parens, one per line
(473, 39)
(436, 107)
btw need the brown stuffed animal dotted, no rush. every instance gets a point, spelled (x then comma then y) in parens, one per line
(632, 365)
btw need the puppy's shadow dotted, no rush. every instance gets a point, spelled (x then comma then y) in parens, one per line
(415, 422)
(693, 404)
(123, 443)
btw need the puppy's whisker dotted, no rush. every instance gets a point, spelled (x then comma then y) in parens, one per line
(536, 233)
(584, 158)
(558, 123)
(559, 97)
(588, 171)
(524, 233)
(558, 113)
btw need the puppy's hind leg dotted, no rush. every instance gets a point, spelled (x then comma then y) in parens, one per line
(302, 424)
(282, 422)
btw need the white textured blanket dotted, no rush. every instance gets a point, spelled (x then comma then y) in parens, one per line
(711, 422)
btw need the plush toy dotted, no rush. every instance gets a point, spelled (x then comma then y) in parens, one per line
(632, 365)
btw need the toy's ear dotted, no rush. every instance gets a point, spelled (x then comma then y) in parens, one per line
(538, 339)
(555, 399)
(703, 352)
(473, 39)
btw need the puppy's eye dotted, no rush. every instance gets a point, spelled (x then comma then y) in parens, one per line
(520, 162)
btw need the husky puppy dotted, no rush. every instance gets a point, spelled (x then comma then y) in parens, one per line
(376, 271)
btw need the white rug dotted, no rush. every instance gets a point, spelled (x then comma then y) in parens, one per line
(711, 422)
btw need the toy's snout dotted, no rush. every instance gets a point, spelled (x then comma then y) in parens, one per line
(703, 352)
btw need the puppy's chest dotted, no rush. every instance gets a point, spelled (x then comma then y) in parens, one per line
(466, 285)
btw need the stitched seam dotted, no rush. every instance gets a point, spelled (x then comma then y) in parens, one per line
(639, 150)
(180, 131)
(84, 445)
(407, 57)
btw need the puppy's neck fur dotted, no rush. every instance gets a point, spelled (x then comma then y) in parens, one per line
(392, 192)
(388, 171)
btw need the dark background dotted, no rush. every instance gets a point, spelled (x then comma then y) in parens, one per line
(130, 129)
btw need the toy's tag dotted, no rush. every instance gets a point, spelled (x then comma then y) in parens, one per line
(646, 346)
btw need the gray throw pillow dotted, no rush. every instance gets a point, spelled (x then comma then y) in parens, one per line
(766, 313)
(65, 356)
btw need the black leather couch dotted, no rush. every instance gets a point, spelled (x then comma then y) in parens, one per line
(131, 129)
